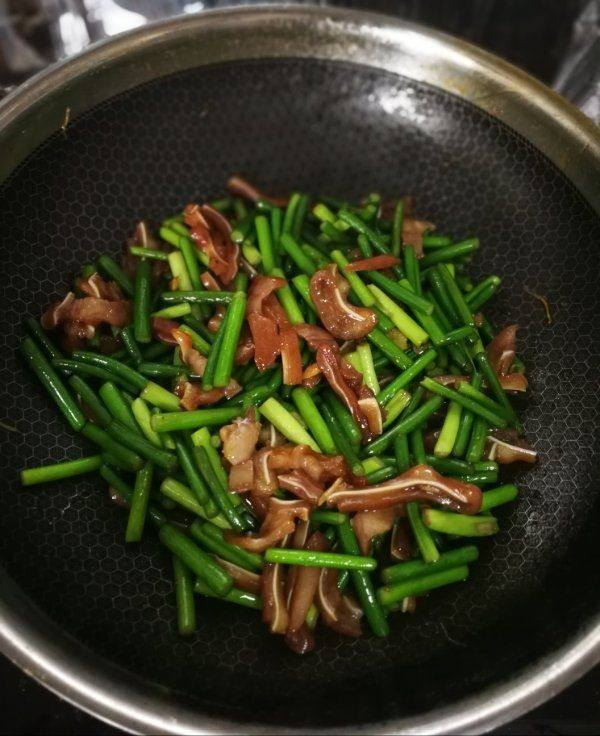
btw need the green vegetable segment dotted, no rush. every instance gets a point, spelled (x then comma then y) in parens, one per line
(54, 386)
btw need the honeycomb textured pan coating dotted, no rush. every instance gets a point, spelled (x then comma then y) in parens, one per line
(343, 130)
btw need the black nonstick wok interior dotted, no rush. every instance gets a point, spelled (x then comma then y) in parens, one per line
(344, 130)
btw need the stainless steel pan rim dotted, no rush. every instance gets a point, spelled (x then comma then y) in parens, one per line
(31, 113)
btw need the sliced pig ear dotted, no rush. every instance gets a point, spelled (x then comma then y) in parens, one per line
(143, 236)
(313, 334)
(291, 359)
(242, 578)
(239, 439)
(331, 365)
(273, 593)
(92, 311)
(55, 314)
(245, 347)
(413, 231)
(337, 485)
(227, 251)
(209, 282)
(450, 379)
(301, 641)
(192, 395)
(211, 231)
(265, 481)
(501, 354)
(506, 447)
(375, 263)
(288, 459)
(193, 217)
(368, 524)
(311, 376)
(215, 218)
(502, 349)
(301, 485)
(305, 584)
(96, 286)
(279, 521)
(263, 327)
(190, 356)
(372, 411)
(300, 534)
(514, 382)
(420, 483)
(401, 544)
(343, 320)
(339, 612)
(241, 477)
(260, 288)
(163, 329)
(267, 342)
(243, 188)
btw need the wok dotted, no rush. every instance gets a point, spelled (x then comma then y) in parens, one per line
(326, 101)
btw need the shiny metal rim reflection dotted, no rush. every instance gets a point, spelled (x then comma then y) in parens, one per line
(34, 111)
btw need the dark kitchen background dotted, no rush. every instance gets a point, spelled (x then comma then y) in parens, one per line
(557, 41)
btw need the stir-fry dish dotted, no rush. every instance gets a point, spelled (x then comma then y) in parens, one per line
(300, 396)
